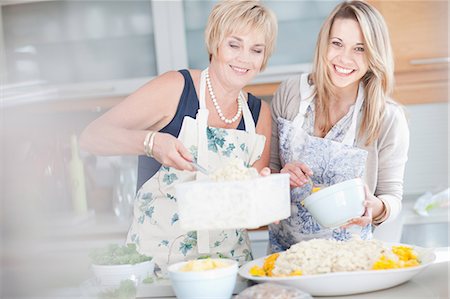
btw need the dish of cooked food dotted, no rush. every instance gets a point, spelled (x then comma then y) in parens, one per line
(333, 268)
(319, 256)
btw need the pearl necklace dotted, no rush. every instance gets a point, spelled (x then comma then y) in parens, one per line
(216, 105)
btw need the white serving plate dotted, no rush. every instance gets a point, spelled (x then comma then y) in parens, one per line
(346, 283)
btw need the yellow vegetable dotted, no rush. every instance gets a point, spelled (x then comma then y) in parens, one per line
(385, 263)
(257, 271)
(315, 189)
(266, 270)
(268, 266)
(404, 253)
(269, 263)
(203, 265)
(297, 272)
(407, 257)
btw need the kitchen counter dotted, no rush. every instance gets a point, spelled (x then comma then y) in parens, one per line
(94, 231)
(430, 283)
(437, 215)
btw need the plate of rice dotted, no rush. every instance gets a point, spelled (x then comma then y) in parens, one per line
(333, 268)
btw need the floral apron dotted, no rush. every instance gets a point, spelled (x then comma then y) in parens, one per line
(332, 159)
(155, 228)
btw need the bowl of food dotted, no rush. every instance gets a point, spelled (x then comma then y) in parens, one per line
(114, 264)
(324, 267)
(333, 206)
(234, 196)
(204, 278)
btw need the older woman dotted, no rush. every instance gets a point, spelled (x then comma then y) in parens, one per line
(338, 123)
(193, 115)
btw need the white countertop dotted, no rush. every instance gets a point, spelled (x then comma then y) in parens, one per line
(430, 283)
(435, 216)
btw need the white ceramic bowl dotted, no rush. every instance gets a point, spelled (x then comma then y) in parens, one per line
(112, 275)
(216, 283)
(333, 206)
(208, 205)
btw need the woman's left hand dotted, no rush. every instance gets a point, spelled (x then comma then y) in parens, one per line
(373, 207)
(265, 171)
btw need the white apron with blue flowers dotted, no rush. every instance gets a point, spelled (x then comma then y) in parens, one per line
(155, 228)
(332, 159)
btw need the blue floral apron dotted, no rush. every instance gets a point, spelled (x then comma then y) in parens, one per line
(332, 159)
(155, 228)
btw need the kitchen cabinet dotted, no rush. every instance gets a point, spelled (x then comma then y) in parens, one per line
(419, 36)
(61, 49)
(61, 42)
(102, 51)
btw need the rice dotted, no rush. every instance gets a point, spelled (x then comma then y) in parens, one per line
(320, 256)
(235, 170)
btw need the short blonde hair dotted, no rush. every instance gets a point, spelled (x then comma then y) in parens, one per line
(230, 16)
(378, 82)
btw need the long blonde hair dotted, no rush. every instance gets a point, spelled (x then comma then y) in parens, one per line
(230, 16)
(378, 82)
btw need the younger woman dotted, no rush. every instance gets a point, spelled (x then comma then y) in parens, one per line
(338, 123)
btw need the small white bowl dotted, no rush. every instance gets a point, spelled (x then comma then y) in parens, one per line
(333, 206)
(112, 275)
(216, 283)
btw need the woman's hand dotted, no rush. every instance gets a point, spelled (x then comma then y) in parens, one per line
(265, 171)
(298, 173)
(171, 152)
(373, 208)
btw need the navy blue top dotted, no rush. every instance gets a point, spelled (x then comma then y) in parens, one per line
(187, 106)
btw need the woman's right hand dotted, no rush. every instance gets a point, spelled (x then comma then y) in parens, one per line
(171, 152)
(298, 173)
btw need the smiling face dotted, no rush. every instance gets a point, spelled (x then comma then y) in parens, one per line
(239, 59)
(347, 60)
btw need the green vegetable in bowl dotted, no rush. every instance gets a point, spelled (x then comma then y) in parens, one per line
(118, 255)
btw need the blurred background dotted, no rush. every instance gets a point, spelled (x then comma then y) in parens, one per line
(64, 63)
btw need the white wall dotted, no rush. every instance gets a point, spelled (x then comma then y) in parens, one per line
(427, 167)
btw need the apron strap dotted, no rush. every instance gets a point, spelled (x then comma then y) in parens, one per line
(248, 121)
(202, 123)
(247, 115)
(202, 99)
(349, 138)
(306, 92)
(202, 154)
